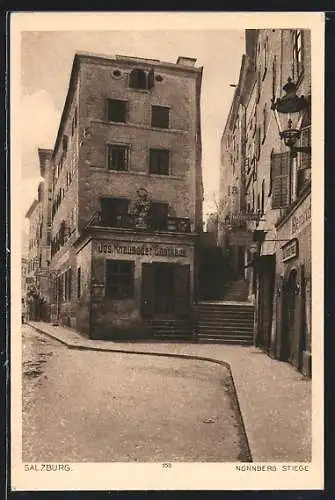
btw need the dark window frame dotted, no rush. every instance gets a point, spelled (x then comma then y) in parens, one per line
(162, 121)
(159, 169)
(120, 116)
(78, 282)
(125, 148)
(298, 55)
(120, 281)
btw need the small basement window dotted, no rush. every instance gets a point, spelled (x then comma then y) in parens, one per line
(120, 279)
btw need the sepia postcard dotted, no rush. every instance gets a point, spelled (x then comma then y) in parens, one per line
(166, 251)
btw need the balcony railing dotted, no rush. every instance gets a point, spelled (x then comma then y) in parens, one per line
(130, 221)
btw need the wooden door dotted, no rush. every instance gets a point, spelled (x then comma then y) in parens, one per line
(147, 295)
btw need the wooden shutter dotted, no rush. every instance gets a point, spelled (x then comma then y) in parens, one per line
(305, 141)
(147, 297)
(280, 179)
(182, 289)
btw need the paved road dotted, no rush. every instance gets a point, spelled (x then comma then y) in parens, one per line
(87, 406)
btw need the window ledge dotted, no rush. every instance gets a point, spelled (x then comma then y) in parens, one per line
(138, 125)
(131, 172)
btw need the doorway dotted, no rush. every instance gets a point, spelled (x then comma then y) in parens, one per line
(166, 290)
(289, 306)
(164, 286)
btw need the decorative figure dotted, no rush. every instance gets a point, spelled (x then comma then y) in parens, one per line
(142, 209)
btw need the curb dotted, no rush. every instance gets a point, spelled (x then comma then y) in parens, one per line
(161, 354)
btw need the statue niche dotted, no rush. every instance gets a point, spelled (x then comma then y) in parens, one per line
(142, 209)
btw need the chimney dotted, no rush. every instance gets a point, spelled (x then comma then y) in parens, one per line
(186, 61)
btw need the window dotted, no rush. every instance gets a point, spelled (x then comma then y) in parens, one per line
(280, 179)
(304, 161)
(259, 83)
(140, 79)
(258, 143)
(297, 69)
(78, 282)
(265, 57)
(160, 116)
(159, 161)
(265, 122)
(119, 279)
(114, 211)
(117, 110)
(158, 215)
(65, 143)
(274, 77)
(118, 157)
(263, 197)
(74, 121)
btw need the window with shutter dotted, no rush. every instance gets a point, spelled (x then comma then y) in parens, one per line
(304, 161)
(298, 66)
(280, 179)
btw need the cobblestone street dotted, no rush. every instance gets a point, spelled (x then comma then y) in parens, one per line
(87, 406)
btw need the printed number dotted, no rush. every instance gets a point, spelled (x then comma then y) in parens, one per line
(167, 466)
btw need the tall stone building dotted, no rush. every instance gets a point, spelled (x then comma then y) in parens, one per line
(277, 189)
(38, 254)
(127, 195)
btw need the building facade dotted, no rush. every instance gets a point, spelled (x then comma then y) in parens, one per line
(277, 187)
(36, 285)
(126, 195)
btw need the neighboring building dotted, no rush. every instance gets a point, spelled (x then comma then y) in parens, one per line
(34, 215)
(24, 287)
(233, 170)
(37, 280)
(127, 195)
(278, 193)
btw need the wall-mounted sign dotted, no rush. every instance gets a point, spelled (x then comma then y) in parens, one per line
(301, 218)
(290, 250)
(140, 249)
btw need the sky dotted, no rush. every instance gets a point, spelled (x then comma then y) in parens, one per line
(47, 58)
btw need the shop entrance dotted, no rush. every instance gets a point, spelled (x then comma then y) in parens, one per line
(164, 286)
(165, 290)
(289, 306)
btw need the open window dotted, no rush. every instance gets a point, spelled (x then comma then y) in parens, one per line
(141, 79)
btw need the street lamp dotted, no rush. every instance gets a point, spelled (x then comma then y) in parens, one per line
(289, 112)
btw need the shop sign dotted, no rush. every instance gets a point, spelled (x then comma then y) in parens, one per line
(290, 250)
(143, 249)
(301, 218)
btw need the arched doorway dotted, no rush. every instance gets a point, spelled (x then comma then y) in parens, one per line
(289, 306)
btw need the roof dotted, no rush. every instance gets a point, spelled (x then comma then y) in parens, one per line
(31, 209)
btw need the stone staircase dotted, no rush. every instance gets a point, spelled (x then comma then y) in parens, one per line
(225, 322)
(172, 330)
(236, 291)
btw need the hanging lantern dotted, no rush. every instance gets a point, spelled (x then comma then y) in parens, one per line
(289, 112)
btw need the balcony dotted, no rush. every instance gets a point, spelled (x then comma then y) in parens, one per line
(149, 224)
